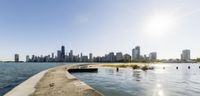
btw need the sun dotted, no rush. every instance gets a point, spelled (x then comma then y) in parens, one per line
(158, 26)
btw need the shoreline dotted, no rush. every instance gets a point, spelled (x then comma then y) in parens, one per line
(58, 81)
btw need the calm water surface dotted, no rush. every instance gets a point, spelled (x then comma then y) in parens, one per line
(12, 74)
(157, 82)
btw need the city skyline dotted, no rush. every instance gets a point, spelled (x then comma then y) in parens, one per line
(23, 57)
(63, 56)
(99, 27)
(135, 56)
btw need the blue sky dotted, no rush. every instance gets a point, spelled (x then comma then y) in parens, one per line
(99, 26)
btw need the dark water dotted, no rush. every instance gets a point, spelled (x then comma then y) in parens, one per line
(12, 74)
(158, 82)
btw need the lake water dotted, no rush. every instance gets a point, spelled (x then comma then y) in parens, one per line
(158, 82)
(12, 74)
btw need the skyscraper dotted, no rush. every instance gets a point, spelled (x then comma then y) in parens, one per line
(185, 56)
(133, 54)
(16, 57)
(62, 53)
(52, 55)
(81, 57)
(137, 49)
(90, 57)
(27, 58)
(71, 56)
(58, 55)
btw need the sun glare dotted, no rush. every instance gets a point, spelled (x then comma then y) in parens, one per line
(158, 25)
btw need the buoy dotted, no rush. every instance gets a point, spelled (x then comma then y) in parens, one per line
(188, 67)
(176, 67)
(199, 67)
(117, 69)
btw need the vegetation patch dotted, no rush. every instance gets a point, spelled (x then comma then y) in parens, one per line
(143, 67)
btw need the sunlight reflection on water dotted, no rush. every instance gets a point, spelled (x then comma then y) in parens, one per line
(164, 80)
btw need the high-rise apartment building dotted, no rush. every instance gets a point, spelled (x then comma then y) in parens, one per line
(119, 56)
(152, 56)
(185, 55)
(127, 58)
(136, 53)
(111, 57)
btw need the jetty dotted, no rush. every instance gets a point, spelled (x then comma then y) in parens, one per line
(56, 82)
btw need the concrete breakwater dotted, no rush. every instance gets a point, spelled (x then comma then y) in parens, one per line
(54, 82)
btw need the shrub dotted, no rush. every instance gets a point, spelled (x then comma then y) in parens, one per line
(144, 68)
(135, 66)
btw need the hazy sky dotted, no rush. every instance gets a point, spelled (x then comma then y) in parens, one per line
(99, 26)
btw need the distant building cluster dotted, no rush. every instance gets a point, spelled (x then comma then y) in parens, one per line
(137, 57)
(62, 56)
